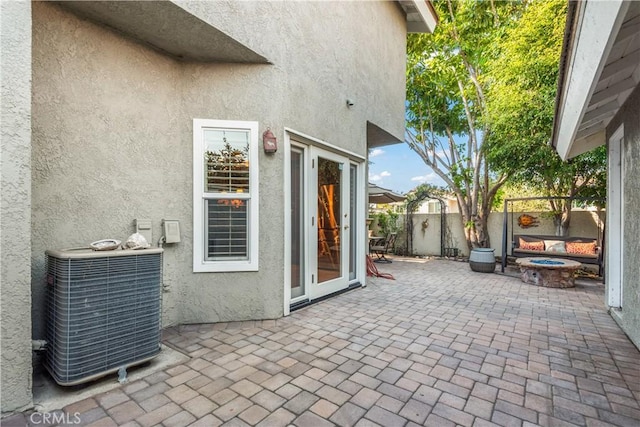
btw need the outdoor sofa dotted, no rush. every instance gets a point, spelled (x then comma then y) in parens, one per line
(582, 249)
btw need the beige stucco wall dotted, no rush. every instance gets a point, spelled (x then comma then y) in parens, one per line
(629, 317)
(324, 53)
(583, 224)
(112, 125)
(15, 188)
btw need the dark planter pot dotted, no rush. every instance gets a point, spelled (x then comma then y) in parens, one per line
(482, 260)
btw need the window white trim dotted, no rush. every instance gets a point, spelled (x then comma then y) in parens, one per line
(287, 225)
(289, 144)
(362, 240)
(311, 141)
(200, 264)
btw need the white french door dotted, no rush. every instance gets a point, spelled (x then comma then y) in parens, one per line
(329, 222)
(324, 243)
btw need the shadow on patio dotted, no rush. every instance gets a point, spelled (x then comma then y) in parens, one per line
(438, 346)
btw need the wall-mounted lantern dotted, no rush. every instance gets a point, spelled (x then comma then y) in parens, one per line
(269, 141)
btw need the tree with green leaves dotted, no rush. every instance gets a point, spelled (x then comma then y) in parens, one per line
(447, 86)
(521, 99)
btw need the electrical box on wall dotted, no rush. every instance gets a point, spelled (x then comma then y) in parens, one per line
(171, 228)
(143, 226)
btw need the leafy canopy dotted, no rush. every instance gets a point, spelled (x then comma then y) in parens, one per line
(447, 82)
(521, 109)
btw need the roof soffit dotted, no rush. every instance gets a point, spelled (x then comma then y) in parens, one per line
(613, 74)
(168, 28)
(421, 16)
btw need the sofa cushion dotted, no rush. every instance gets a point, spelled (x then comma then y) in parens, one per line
(531, 246)
(585, 248)
(554, 246)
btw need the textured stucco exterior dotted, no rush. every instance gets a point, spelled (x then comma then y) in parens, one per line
(15, 189)
(112, 130)
(629, 316)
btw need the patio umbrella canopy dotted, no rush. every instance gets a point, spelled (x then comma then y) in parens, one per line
(381, 195)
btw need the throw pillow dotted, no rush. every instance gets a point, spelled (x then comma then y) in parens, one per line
(581, 248)
(531, 246)
(554, 246)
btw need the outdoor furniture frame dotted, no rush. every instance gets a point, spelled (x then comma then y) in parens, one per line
(380, 250)
(599, 258)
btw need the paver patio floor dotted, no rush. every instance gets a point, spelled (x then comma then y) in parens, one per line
(439, 346)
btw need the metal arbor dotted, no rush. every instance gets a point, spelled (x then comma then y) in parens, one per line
(412, 205)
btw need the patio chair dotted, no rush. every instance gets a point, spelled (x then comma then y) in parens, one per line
(384, 248)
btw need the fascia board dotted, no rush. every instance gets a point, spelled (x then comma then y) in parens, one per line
(591, 44)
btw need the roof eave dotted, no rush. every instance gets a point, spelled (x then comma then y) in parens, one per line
(421, 16)
(590, 33)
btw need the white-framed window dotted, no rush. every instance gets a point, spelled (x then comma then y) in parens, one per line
(433, 206)
(225, 195)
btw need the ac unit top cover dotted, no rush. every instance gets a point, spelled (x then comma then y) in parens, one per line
(84, 253)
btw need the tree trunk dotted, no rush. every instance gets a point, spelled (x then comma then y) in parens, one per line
(561, 216)
(562, 220)
(482, 232)
(476, 231)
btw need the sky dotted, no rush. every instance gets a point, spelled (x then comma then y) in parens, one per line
(398, 168)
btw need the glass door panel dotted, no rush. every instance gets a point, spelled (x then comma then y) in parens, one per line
(329, 219)
(353, 214)
(329, 223)
(297, 224)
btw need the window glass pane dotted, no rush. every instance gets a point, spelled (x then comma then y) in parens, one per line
(297, 224)
(353, 214)
(227, 228)
(329, 209)
(226, 161)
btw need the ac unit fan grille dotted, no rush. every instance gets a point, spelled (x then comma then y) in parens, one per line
(103, 313)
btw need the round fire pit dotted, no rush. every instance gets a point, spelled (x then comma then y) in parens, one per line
(547, 272)
(546, 262)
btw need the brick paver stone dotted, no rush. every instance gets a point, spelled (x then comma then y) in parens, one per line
(384, 417)
(199, 406)
(279, 418)
(158, 415)
(347, 415)
(207, 421)
(415, 411)
(103, 422)
(180, 419)
(254, 414)
(232, 408)
(311, 419)
(126, 411)
(324, 408)
(301, 402)
(112, 398)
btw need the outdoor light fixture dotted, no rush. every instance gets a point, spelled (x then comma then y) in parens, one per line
(269, 141)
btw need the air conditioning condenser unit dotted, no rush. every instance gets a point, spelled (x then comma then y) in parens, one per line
(103, 311)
